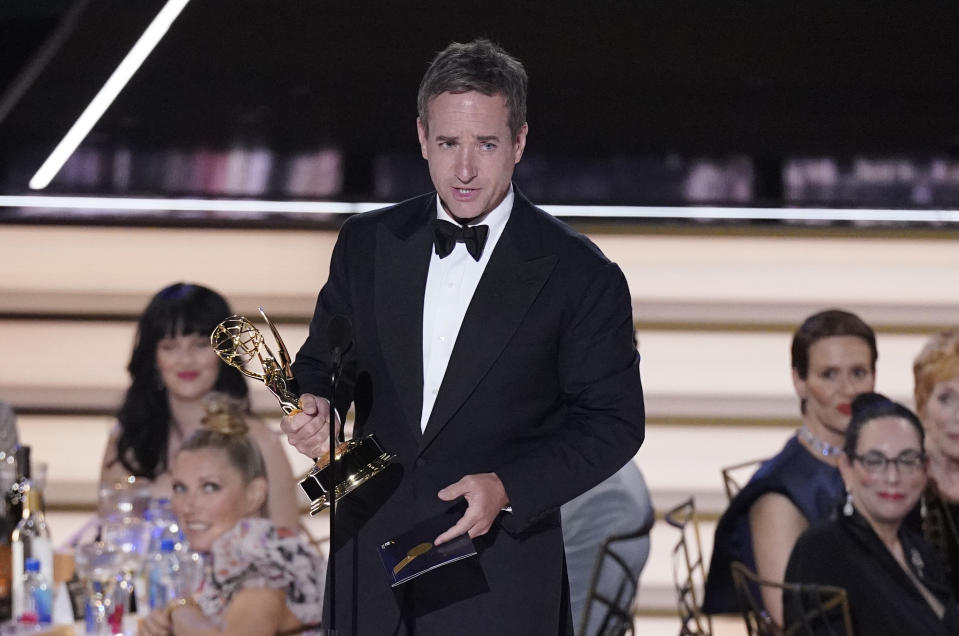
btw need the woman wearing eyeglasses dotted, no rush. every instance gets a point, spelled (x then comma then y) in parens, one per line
(893, 578)
(833, 360)
(936, 372)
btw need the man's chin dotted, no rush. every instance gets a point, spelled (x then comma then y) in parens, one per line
(465, 213)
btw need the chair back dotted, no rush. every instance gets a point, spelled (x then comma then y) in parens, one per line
(736, 476)
(616, 603)
(689, 571)
(822, 610)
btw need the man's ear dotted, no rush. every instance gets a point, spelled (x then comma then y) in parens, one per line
(519, 143)
(421, 133)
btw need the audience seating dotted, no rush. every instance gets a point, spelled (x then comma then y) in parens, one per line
(689, 571)
(822, 609)
(617, 608)
(737, 475)
(714, 308)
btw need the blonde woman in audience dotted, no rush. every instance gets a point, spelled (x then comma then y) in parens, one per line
(936, 373)
(833, 360)
(260, 579)
(894, 581)
(173, 371)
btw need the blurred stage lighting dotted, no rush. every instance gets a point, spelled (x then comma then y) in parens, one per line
(102, 100)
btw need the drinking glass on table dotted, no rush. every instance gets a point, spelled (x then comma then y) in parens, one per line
(130, 535)
(98, 566)
(126, 498)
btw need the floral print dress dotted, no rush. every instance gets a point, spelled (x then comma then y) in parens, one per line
(257, 554)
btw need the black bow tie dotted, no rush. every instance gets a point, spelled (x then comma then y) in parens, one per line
(446, 235)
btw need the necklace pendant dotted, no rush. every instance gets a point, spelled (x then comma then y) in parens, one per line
(820, 446)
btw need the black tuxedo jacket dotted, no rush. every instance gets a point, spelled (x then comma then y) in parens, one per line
(542, 388)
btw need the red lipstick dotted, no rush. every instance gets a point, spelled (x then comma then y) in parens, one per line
(845, 409)
(188, 375)
(894, 496)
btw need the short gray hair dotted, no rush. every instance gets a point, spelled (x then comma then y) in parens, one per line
(480, 66)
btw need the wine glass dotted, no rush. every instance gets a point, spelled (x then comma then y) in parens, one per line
(98, 567)
(125, 498)
(131, 535)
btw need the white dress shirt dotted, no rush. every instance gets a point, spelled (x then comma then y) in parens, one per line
(450, 285)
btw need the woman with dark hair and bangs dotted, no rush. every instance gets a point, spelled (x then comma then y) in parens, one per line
(174, 372)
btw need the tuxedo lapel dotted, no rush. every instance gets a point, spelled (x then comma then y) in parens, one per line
(402, 262)
(511, 282)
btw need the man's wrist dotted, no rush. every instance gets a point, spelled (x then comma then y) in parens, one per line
(506, 507)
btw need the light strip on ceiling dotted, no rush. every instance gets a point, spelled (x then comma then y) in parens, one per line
(133, 205)
(756, 214)
(95, 109)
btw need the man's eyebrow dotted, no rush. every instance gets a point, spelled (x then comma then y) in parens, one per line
(480, 138)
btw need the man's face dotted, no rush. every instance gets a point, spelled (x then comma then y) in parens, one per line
(470, 151)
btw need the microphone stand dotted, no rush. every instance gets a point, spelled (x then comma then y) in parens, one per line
(337, 360)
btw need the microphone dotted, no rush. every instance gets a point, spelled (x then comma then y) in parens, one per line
(340, 334)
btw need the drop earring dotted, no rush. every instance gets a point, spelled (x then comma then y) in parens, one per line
(922, 507)
(847, 508)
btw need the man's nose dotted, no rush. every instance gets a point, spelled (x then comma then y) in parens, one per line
(465, 165)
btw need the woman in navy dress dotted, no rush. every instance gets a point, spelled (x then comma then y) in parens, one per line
(833, 360)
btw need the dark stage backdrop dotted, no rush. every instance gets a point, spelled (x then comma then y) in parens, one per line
(633, 95)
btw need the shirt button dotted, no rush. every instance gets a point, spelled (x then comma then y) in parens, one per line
(434, 391)
(442, 338)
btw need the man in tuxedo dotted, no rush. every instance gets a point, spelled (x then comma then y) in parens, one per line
(493, 355)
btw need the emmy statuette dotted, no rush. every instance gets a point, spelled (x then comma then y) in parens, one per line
(240, 344)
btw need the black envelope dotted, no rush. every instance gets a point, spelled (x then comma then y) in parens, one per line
(413, 553)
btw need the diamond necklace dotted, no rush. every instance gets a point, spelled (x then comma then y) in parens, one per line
(823, 448)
